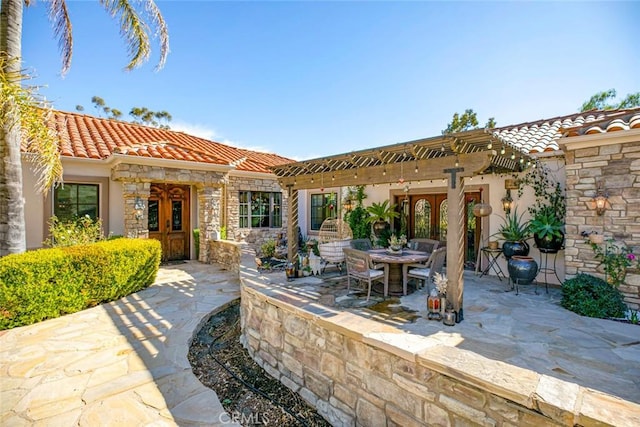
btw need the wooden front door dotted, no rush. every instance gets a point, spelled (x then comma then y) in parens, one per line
(169, 219)
(427, 217)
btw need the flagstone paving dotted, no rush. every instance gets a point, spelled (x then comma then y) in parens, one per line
(121, 364)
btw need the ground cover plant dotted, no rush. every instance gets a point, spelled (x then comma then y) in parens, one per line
(591, 296)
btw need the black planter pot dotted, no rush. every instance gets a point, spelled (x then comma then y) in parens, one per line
(522, 269)
(510, 249)
(549, 244)
(379, 227)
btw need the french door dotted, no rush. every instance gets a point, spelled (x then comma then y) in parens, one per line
(426, 216)
(169, 219)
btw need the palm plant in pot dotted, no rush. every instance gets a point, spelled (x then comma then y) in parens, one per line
(380, 216)
(515, 232)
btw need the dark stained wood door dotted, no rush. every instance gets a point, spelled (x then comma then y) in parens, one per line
(169, 219)
(427, 217)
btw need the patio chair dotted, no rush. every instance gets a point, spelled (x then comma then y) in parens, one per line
(425, 272)
(361, 244)
(334, 235)
(424, 245)
(360, 267)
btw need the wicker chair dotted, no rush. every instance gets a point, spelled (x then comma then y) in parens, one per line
(334, 235)
(360, 267)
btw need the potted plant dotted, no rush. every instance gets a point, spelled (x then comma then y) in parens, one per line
(548, 210)
(548, 230)
(380, 215)
(515, 232)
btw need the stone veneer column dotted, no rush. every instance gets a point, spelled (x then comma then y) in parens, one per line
(616, 168)
(209, 210)
(134, 227)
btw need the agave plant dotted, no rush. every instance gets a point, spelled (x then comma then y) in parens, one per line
(514, 229)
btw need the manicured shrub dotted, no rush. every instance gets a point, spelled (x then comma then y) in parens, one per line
(591, 296)
(49, 283)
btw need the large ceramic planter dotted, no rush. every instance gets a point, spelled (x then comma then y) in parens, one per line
(379, 227)
(510, 249)
(522, 269)
(549, 244)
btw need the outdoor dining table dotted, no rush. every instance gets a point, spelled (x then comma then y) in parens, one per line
(395, 261)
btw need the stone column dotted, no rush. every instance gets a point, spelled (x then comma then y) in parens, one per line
(136, 227)
(209, 207)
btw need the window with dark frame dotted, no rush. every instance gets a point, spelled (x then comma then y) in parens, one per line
(260, 209)
(323, 206)
(72, 201)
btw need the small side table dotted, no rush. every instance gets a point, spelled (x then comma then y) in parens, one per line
(492, 257)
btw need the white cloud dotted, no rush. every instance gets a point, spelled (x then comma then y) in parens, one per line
(206, 132)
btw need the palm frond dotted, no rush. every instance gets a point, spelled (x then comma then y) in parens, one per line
(135, 30)
(21, 106)
(59, 16)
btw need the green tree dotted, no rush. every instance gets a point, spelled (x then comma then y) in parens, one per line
(140, 115)
(605, 101)
(467, 121)
(21, 115)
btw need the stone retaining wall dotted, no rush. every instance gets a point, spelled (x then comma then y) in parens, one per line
(358, 372)
(615, 167)
(225, 253)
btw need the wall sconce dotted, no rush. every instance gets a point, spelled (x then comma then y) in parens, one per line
(347, 205)
(600, 200)
(138, 206)
(507, 202)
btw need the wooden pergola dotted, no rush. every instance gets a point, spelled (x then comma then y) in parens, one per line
(452, 157)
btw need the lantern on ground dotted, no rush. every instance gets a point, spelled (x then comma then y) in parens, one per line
(433, 306)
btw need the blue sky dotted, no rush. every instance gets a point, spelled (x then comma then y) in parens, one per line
(306, 79)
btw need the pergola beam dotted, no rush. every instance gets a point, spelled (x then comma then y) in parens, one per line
(368, 174)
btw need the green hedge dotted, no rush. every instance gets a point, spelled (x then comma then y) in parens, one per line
(48, 283)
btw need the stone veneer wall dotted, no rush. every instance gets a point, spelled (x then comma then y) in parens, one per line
(617, 168)
(254, 237)
(358, 372)
(225, 253)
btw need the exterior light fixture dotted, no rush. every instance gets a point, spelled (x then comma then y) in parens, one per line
(507, 202)
(138, 207)
(502, 151)
(490, 145)
(601, 198)
(347, 205)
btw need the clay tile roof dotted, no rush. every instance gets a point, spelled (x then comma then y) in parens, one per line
(543, 135)
(625, 120)
(84, 136)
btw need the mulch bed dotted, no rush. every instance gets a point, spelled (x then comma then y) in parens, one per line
(247, 392)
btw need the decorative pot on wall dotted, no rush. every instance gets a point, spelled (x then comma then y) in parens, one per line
(522, 269)
(509, 249)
